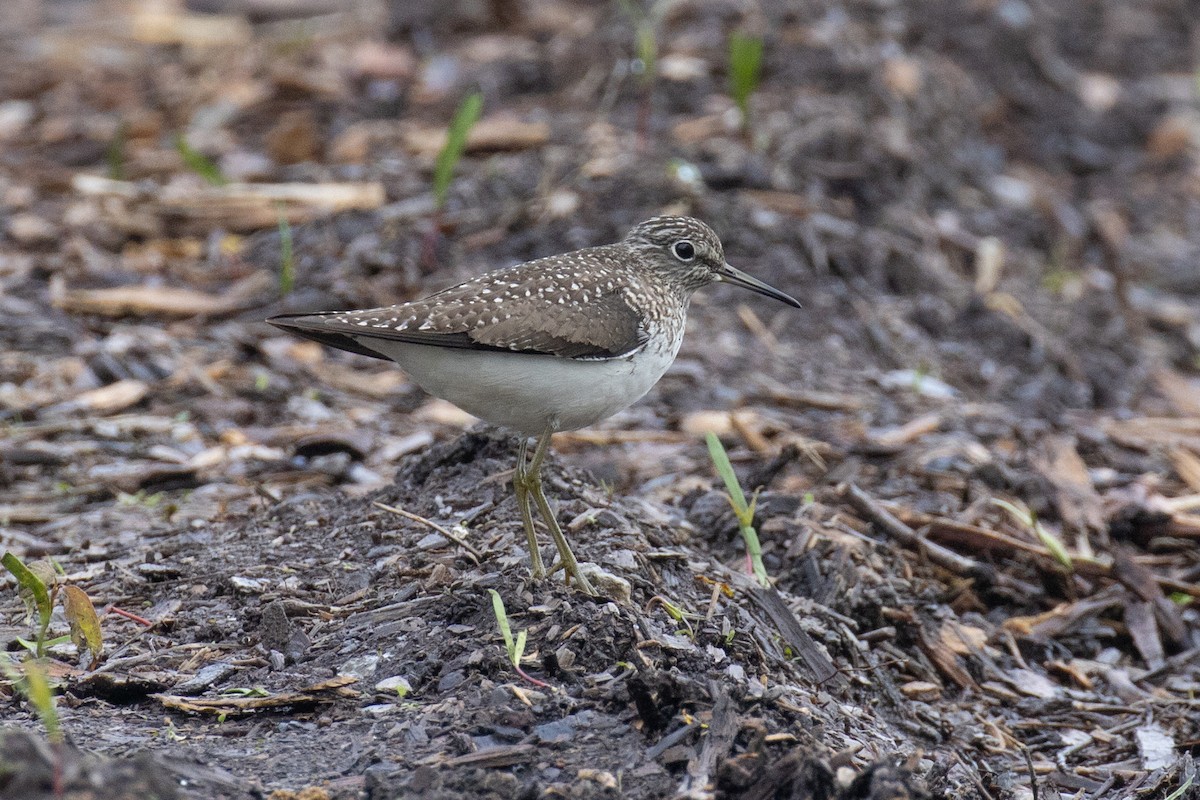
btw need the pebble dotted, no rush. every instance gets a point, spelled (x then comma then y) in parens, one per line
(15, 116)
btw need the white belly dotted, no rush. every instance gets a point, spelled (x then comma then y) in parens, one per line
(530, 393)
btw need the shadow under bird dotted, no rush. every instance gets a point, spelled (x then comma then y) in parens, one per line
(554, 344)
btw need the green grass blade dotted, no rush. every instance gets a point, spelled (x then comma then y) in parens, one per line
(456, 142)
(743, 512)
(36, 687)
(647, 51)
(519, 649)
(745, 69)
(1051, 542)
(505, 630)
(1182, 790)
(725, 469)
(199, 163)
(114, 154)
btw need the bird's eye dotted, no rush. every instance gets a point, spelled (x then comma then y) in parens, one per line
(684, 251)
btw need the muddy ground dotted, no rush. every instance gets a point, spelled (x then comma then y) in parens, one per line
(978, 443)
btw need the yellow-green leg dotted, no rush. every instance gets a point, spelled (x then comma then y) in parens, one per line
(521, 489)
(528, 481)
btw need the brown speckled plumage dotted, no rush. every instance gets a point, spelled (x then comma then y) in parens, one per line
(587, 304)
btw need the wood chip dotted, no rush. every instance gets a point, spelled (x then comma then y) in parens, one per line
(1183, 393)
(112, 398)
(698, 423)
(1187, 467)
(789, 203)
(909, 432)
(140, 301)
(248, 207)
(1079, 506)
(962, 639)
(162, 301)
(490, 135)
(160, 24)
(323, 692)
(921, 690)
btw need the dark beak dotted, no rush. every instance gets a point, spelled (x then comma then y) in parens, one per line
(729, 274)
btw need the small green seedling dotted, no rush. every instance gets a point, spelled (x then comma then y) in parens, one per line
(745, 71)
(114, 154)
(674, 612)
(1051, 542)
(31, 680)
(456, 143)
(743, 511)
(287, 257)
(38, 586)
(31, 584)
(515, 648)
(645, 60)
(645, 39)
(199, 163)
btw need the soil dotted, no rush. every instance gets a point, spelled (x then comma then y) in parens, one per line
(976, 448)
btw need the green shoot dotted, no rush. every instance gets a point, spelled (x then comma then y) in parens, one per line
(645, 41)
(38, 586)
(456, 142)
(287, 258)
(40, 644)
(1051, 542)
(674, 612)
(647, 52)
(199, 163)
(644, 65)
(33, 591)
(35, 685)
(114, 154)
(743, 511)
(745, 70)
(1182, 790)
(516, 648)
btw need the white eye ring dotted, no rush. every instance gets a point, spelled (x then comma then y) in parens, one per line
(684, 250)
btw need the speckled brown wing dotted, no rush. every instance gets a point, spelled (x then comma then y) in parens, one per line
(571, 306)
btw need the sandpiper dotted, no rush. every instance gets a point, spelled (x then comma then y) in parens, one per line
(554, 344)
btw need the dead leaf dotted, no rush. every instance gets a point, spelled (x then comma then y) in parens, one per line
(84, 624)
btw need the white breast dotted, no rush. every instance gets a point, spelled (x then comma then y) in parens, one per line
(532, 393)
